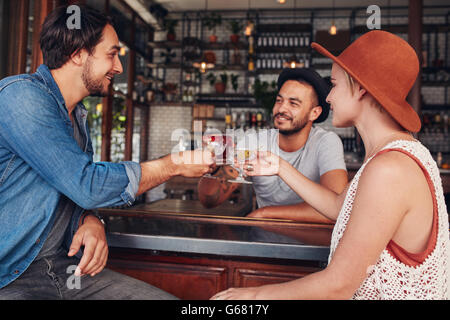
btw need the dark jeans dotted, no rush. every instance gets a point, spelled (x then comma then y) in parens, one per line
(53, 278)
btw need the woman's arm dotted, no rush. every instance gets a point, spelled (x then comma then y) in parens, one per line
(380, 204)
(335, 180)
(322, 199)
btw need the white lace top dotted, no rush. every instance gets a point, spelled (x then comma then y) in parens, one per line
(389, 278)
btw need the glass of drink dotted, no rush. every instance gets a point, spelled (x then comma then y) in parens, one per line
(217, 144)
(243, 155)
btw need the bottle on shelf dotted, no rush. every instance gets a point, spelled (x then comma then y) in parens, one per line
(251, 45)
(253, 120)
(228, 117)
(259, 120)
(251, 64)
(301, 40)
(269, 40)
(275, 39)
(242, 120)
(233, 120)
(248, 120)
(306, 40)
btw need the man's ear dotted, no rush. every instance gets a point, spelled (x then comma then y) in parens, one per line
(315, 113)
(79, 57)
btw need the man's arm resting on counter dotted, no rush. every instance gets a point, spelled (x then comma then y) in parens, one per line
(335, 180)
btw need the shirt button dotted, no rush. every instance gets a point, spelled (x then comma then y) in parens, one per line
(37, 241)
(16, 271)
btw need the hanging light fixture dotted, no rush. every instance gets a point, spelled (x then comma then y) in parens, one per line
(281, 1)
(293, 62)
(203, 64)
(333, 29)
(250, 25)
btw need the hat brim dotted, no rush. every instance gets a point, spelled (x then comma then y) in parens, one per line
(401, 111)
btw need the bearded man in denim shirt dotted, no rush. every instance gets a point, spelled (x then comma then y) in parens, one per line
(47, 174)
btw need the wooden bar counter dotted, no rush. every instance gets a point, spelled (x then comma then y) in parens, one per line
(193, 252)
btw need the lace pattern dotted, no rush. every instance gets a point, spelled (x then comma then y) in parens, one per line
(389, 278)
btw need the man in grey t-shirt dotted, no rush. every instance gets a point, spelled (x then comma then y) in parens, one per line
(316, 153)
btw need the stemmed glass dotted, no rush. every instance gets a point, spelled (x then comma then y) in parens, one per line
(242, 155)
(217, 144)
(243, 152)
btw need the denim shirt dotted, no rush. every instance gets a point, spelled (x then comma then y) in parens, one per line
(39, 161)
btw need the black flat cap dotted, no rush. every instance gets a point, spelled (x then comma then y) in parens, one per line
(310, 76)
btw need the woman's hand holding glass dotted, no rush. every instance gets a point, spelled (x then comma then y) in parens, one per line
(264, 164)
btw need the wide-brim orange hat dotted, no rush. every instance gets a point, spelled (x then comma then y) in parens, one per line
(387, 67)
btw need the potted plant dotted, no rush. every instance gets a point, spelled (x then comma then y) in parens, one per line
(169, 90)
(220, 85)
(211, 22)
(265, 94)
(234, 82)
(170, 25)
(235, 27)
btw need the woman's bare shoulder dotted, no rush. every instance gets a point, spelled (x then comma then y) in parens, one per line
(394, 172)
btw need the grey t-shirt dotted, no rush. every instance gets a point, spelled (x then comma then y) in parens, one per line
(63, 212)
(322, 152)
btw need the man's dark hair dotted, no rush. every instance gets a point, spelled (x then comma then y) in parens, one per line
(58, 41)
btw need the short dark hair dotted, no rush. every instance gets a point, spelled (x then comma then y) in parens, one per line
(58, 41)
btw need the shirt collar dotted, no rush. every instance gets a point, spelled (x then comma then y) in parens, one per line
(50, 82)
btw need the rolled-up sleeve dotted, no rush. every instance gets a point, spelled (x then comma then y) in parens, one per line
(133, 171)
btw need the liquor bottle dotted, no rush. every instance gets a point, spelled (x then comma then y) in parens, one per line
(279, 61)
(251, 49)
(263, 61)
(264, 41)
(296, 42)
(228, 117)
(269, 40)
(306, 61)
(274, 61)
(242, 120)
(248, 120)
(251, 64)
(259, 120)
(233, 120)
(253, 120)
(301, 40)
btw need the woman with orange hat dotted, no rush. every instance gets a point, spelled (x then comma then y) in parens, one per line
(391, 237)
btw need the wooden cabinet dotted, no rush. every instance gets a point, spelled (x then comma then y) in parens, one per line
(200, 277)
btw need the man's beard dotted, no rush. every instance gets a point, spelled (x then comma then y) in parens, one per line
(95, 87)
(296, 125)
